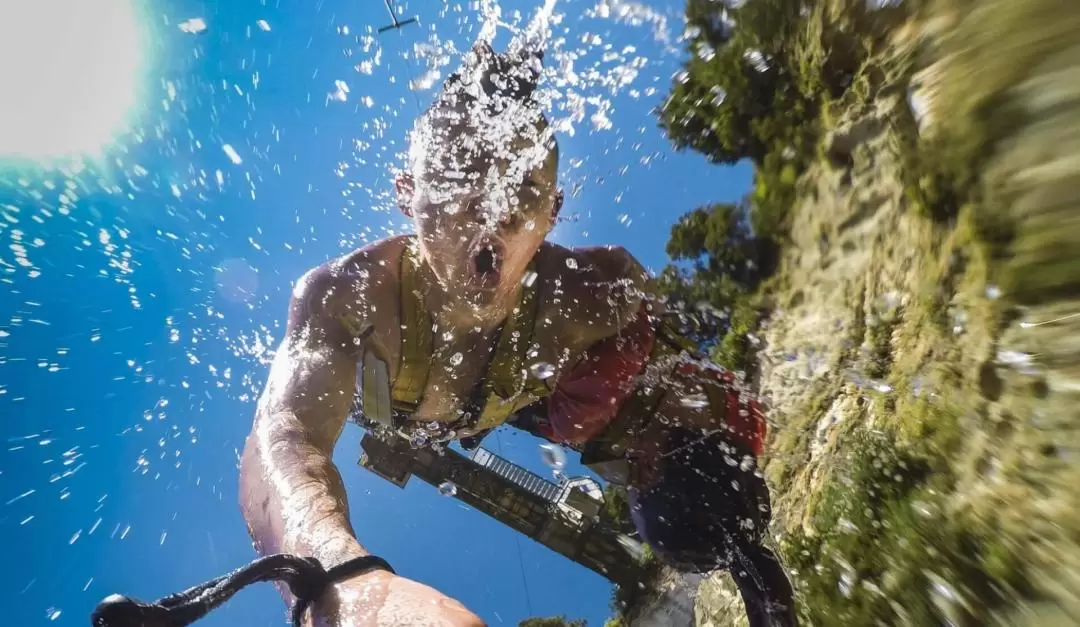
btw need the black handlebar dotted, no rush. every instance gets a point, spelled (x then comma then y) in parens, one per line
(305, 576)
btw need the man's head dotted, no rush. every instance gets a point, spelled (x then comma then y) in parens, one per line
(480, 182)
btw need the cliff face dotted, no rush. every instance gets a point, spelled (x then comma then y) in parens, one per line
(922, 358)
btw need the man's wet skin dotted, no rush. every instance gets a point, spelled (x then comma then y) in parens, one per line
(480, 187)
(579, 307)
(476, 236)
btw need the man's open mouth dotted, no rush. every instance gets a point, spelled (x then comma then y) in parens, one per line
(486, 260)
(486, 264)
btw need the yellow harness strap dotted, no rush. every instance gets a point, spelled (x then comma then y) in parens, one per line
(417, 343)
(372, 374)
(506, 387)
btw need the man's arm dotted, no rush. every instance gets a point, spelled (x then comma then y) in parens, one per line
(619, 286)
(290, 491)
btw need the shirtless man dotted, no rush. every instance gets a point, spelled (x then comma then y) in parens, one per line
(476, 321)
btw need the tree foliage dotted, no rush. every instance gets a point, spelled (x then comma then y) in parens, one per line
(616, 512)
(758, 74)
(718, 261)
(738, 95)
(758, 79)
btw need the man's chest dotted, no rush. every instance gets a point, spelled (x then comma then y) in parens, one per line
(471, 376)
(470, 370)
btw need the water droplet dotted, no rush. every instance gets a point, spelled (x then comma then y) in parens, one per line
(959, 320)
(193, 26)
(528, 279)
(553, 455)
(341, 91)
(694, 401)
(231, 153)
(456, 359)
(263, 25)
(1020, 361)
(847, 582)
(993, 292)
(447, 488)
(719, 95)
(891, 300)
(571, 263)
(542, 370)
(924, 509)
(418, 440)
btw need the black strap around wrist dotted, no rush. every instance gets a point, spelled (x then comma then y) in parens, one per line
(357, 566)
(345, 570)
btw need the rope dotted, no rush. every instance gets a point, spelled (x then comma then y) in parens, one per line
(408, 84)
(524, 581)
(408, 75)
(305, 576)
(517, 541)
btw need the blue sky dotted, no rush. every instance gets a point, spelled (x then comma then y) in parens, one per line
(138, 297)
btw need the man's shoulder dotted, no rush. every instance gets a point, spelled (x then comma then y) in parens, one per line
(352, 274)
(592, 264)
(605, 285)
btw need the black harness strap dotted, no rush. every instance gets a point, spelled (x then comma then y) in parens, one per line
(305, 576)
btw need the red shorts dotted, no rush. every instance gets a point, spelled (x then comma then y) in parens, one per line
(588, 398)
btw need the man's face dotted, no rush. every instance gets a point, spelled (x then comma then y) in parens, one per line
(483, 201)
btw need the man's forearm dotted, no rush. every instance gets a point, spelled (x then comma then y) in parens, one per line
(292, 495)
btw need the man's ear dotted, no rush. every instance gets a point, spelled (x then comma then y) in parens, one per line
(405, 187)
(556, 207)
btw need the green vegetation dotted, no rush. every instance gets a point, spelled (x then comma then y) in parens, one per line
(739, 96)
(757, 86)
(723, 264)
(876, 531)
(616, 512)
(1012, 66)
(886, 549)
(625, 600)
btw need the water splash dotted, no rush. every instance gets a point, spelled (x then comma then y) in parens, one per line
(553, 456)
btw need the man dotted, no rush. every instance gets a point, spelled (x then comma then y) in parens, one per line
(477, 321)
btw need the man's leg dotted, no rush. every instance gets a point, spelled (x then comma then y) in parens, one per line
(711, 510)
(763, 585)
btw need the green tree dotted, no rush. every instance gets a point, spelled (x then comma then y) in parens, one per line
(738, 94)
(717, 261)
(616, 512)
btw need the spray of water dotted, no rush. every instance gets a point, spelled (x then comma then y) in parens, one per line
(159, 274)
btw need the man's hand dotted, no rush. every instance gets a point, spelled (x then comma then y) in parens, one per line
(381, 599)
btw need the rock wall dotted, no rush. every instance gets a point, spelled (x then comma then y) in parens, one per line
(674, 607)
(877, 303)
